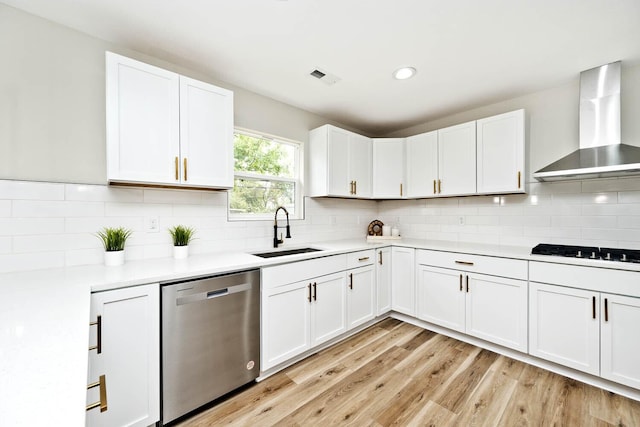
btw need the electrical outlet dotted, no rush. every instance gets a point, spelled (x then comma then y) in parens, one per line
(151, 224)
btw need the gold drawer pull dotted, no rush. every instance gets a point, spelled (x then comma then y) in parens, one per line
(380, 257)
(185, 169)
(98, 345)
(366, 258)
(102, 403)
(464, 262)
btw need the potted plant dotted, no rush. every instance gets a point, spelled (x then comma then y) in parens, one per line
(181, 236)
(113, 240)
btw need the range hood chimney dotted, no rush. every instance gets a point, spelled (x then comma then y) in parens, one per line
(601, 152)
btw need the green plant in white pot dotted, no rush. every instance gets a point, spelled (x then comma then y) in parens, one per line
(113, 240)
(181, 236)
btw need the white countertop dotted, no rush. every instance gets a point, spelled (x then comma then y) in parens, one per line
(44, 316)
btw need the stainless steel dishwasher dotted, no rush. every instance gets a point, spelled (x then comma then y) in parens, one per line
(210, 339)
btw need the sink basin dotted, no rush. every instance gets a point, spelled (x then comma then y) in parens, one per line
(287, 252)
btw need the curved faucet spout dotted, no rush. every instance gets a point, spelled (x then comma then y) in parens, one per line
(277, 241)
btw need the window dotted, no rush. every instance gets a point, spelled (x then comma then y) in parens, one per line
(267, 175)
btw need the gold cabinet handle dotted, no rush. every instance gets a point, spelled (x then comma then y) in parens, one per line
(460, 282)
(464, 262)
(309, 297)
(315, 291)
(434, 186)
(177, 163)
(98, 345)
(365, 258)
(380, 257)
(102, 403)
(519, 175)
(593, 307)
(439, 186)
(467, 278)
(355, 187)
(606, 310)
(400, 189)
(351, 187)
(185, 169)
(350, 280)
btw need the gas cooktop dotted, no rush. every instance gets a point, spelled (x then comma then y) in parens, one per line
(588, 252)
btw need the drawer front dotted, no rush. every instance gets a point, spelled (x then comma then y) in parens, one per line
(505, 267)
(591, 278)
(361, 258)
(284, 274)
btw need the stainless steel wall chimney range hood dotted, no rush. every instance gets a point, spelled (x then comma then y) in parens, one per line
(601, 152)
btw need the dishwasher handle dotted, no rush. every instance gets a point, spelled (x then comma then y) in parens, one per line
(203, 296)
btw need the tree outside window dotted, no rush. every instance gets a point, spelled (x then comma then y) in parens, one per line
(266, 176)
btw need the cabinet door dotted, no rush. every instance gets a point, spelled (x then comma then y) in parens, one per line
(422, 165)
(620, 346)
(500, 157)
(285, 322)
(564, 326)
(388, 168)
(441, 297)
(206, 134)
(360, 164)
(360, 296)
(383, 280)
(403, 290)
(457, 159)
(328, 312)
(339, 176)
(496, 310)
(143, 141)
(129, 356)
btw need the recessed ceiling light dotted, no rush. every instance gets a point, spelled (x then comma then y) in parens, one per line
(404, 73)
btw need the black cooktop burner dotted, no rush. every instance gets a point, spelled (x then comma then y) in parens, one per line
(589, 252)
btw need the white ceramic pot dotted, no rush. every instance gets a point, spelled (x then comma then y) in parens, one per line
(113, 258)
(180, 252)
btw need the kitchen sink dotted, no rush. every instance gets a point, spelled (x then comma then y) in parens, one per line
(274, 254)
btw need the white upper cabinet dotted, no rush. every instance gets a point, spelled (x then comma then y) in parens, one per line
(206, 134)
(388, 168)
(457, 160)
(339, 163)
(166, 129)
(422, 165)
(500, 156)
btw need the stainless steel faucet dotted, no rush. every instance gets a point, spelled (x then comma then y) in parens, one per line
(277, 241)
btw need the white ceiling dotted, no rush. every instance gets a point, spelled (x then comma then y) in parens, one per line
(467, 52)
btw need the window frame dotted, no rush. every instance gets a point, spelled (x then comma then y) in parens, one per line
(297, 179)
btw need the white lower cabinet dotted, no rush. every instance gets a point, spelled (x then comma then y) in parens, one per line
(403, 291)
(301, 315)
(586, 330)
(361, 296)
(619, 343)
(126, 335)
(383, 280)
(464, 293)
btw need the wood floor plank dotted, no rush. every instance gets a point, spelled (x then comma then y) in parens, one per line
(465, 380)
(397, 374)
(324, 405)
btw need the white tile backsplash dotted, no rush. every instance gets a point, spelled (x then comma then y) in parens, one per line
(53, 225)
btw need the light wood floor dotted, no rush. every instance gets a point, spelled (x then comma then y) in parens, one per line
(394, 373)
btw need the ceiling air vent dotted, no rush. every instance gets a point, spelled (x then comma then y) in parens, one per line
(324, 77)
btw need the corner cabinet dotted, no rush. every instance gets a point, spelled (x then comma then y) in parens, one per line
(166, 129)
(340, 163)
(500, 153)
(388, 168)
(125, 351)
